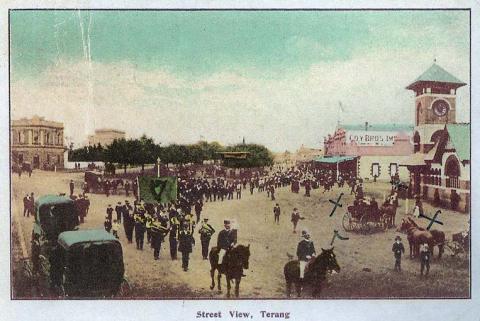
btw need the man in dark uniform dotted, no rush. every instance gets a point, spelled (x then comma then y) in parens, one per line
(72, 186)
(198, 209)
(135, 189)
(119, 211)
(128, 221)
(276, 213)
(398, 250)
(139, 227)
(127, 188)
(227, 238)
(110, 212)
(206, 231)
(26, 205)
(174, 227)
(305, 251)
(158, 231)
(185, 244)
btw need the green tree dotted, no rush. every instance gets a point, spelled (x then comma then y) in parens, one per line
(258, 156)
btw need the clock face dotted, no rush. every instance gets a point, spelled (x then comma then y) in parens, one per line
(440, 107)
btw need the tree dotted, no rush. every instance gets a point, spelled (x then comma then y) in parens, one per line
(259, 156)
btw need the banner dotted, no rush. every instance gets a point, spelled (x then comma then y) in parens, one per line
(157, 189)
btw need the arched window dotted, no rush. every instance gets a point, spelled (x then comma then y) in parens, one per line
(452, 171)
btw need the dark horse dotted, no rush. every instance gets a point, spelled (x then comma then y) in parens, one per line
(315, 274)
(234, 262)
(417, 235)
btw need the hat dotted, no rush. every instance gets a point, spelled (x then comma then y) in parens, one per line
(304, 233)
(109, 204)
(119, 203)
(226, 222)
(205, 218)
(398, 238)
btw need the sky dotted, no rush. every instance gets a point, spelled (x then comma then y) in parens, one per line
(274, 77)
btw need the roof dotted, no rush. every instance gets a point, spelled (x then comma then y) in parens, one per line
(436, 74)
(380, 127)
(460, 137)
(417, 159)
(333, 159)
(52, 200)
(69, 238)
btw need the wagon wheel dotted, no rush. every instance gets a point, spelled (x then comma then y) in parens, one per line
(124, 289)
(365, 227)
(347, 222)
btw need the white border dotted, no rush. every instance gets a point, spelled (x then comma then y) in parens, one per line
(186, 310)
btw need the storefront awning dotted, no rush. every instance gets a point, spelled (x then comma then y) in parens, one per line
(417, 159)
(333, 159)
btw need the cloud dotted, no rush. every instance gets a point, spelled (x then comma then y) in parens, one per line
(283, 112)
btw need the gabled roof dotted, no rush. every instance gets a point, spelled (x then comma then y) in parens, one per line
(460, 137)
(437, 74)
(380, 127)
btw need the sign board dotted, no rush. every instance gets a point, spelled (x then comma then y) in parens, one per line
(371, 138)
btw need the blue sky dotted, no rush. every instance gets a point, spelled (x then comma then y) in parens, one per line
(274, 77)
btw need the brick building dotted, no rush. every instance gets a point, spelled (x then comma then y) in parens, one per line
(440, 167)
(37, 141)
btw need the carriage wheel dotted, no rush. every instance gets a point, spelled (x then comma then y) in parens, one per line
(365, 227)
(347, 222)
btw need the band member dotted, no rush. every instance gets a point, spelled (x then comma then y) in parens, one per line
(119, 211)
(72, 186)
(206, 231)
(398, 250)
(139, 230)
(110, 212)
(185, 244)
(174, 227)
(158, 231)
(305, 251)
(198, 209)
(227, 238)
(128, 221)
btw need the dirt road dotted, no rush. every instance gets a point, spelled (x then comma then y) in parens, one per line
(366, 260)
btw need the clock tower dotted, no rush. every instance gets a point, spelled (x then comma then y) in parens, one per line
(435, 95)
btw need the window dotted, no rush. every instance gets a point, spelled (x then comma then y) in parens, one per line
(393, 169)
(375, 170)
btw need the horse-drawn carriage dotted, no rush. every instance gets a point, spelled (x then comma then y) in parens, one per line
(70, 262)
(366, 217)
(460, 243)
(94, 181)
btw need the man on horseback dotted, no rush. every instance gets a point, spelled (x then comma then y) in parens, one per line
(305, 251)
(227, 238)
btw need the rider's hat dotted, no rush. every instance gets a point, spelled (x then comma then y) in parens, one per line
(226, 222)
(398, 238)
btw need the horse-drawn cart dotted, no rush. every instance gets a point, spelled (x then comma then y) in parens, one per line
(364, 219)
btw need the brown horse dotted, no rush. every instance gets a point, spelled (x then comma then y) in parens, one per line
(417, 236)
(390, 211)
(234, 262)
(315, 274)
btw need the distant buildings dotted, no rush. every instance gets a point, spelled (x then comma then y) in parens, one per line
(105, 136)
(307, 154)
(378, 150)
(38, 142)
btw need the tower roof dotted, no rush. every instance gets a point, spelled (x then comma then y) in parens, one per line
(436, 74)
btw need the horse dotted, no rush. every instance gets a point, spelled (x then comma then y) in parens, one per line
(417, 236)
(234, 262)
(390, 211)
(316, 272)
(438, 237)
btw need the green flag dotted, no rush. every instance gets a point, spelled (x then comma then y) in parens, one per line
(157, 189)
